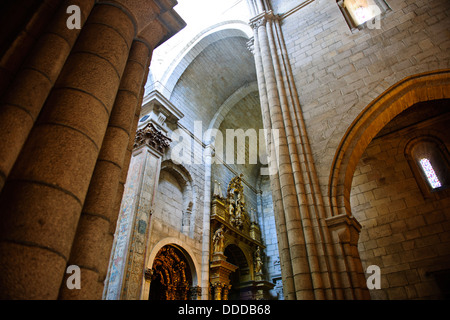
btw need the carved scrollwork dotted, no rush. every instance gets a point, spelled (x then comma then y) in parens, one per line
(261, 19)
(152, 137)
(170, 270)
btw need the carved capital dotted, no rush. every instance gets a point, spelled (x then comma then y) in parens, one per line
(148, 274)
(257, 22)
(152, 137)
(196, 292)
(261, 19)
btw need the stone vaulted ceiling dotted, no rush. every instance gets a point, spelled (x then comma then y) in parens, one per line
(213, 76)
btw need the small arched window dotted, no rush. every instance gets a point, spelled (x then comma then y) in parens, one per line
(428, 170)
(429, 161)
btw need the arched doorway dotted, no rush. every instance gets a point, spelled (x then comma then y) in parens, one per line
(240, 278)
(171, 278)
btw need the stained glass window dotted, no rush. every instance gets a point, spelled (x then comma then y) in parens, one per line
(429, 172)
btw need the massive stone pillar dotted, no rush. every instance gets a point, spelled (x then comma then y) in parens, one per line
(72, 154)
(93, 242)
(25, 95)
(307, 254)
(319, 258)
(126, 277)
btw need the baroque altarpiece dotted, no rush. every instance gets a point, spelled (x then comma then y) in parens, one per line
(236, 251)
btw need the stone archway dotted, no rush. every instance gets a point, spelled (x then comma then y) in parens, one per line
(404, 94)
(343, 225)
(171, 277)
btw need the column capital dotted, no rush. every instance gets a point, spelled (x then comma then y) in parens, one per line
(148, 274)
(347, 227)
(151, 137)
(262, 18)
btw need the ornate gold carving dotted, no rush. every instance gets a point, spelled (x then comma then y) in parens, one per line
(232, 209)
(170, 270)
(230, 224)
(236, 202)
(258, 261)
(152, 137)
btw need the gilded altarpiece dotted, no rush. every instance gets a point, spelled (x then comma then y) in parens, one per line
(233, 226)
(170, 276)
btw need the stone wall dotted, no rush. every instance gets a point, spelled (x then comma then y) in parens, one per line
(169, 206)
(269, 235)
(339, 72)
(405, 234)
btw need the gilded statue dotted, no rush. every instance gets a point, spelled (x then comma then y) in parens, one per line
(218, 239)
(258, 261)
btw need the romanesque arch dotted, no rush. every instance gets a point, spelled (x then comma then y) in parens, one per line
(169, 260)
(184, 179)
(399, 97)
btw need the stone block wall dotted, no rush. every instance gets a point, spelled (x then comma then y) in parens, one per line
(339, 72)
(405, 234)
(269, 235)
(169, 206)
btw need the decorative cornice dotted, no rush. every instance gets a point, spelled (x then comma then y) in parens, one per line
(151, 137)
(156, 100)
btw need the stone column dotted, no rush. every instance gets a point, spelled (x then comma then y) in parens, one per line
(287, 166)
(148, 275)
(127, 260)
(41, 203)
(26, 94)
(345, 232)
(153, 147)
(207, 156)
(303, 235)
(283, 248)
(92, 246)
(333, 291)
(28, 22)
(54, 169)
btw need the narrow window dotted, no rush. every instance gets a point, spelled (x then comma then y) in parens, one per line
(429, 172)
(428, 159)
